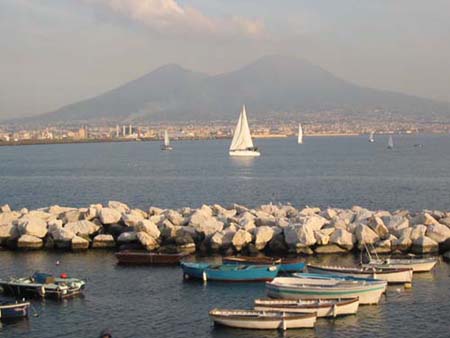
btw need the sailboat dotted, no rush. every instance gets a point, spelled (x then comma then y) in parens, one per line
(242, 144)
(371, 139)
(300, 134)
(390, 142)
(166, 145)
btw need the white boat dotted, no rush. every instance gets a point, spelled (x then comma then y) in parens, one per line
(389, 275)
(300, 134)
(323, 307)
(390, 142)
(242, 144)
(371, 137)
(368, 291)
(416, 264)
(262, 320)
(166, 144)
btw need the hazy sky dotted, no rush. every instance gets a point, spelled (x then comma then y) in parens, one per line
(54, 52)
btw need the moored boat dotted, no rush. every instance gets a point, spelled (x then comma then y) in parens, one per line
(403, 275)
(368, 291)
(323, 307)
(416, 264)
(229, 272)
(286, 264)
(43, 285)
(148, 258)
(16, 310)
(262, 320)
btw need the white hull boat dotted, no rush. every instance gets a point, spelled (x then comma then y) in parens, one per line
(262, 320)
(371, 137)
(389, 275)
(416, 264)
(242, 144)
(245, 153)
(323, 307)
(368, 292)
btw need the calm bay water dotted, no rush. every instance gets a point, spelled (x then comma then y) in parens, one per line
(336, 171)
(154, 301)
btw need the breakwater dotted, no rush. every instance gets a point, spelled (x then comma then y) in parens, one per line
(272, 229)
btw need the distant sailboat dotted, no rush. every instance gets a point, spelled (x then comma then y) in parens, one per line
(371, 138)
(242, 144)
(300, 134)
(390, 142)
(166, 145)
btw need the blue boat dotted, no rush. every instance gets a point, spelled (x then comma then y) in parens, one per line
(11, 311)
(286, 264)
(230, 272)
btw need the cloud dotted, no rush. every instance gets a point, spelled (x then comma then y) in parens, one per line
(169, 17)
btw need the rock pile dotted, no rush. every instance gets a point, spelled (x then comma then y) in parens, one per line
(273, 229)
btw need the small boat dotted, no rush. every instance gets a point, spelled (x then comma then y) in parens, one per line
(403, 275)
(323, 307)
(286, 264)
(262, 320)
(416, 264)
(229, 272)
(16, 310)
(148, 258)
(371, 137)
(368, 291)
(390, 143)
(300, 134)
(43, 285)
(242, 144)
(166, 144)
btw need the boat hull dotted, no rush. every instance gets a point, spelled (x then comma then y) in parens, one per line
(393, 276)
(290, 288)
(244, 153)
(148, 258)
(418, 265)
(257, 320)
(322, 307)
(14, 311)
(251, 273)
(286, 264)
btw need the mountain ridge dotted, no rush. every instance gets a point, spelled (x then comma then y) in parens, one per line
(270, 85)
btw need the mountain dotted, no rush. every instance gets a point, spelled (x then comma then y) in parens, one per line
(270, 86)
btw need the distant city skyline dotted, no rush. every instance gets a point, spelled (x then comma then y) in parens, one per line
(55, 52)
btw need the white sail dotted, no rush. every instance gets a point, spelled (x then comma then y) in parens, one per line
(390, 142)
(242, 140)
(300, 134)
(166, 138)
(371, 138)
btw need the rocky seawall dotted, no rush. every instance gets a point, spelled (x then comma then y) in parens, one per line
(210, 229)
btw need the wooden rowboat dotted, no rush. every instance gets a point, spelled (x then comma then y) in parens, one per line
(229, 272)
(417, 264)
(288, 264)
(11, 311)
(310, 287)
(262, 320)
(323, 307)
(148, 258)
(389, 275)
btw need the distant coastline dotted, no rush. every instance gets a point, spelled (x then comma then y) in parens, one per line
(108, 140)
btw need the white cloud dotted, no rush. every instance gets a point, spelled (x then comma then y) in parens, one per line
(169, 17)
